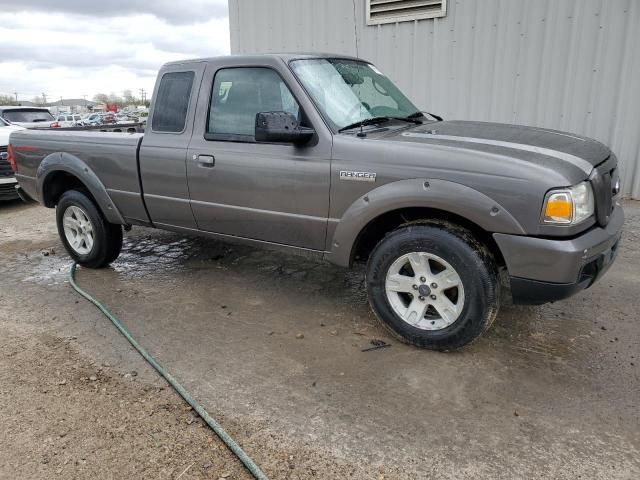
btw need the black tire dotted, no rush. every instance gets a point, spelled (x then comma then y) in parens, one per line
(472, 262)
(107, 237)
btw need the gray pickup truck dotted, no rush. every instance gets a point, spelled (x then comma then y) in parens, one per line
(323, 155)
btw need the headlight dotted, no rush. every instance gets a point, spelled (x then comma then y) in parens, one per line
(568, 206)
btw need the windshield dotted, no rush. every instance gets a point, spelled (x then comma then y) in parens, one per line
(350, 91)
(28, 116)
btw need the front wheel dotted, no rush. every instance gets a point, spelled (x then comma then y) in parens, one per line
(87, 236)
(433, 285)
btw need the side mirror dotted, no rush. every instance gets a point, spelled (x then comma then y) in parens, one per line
(281, 127)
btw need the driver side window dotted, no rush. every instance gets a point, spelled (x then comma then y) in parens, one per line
(239, 94)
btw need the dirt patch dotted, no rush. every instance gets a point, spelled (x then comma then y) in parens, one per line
(68, 416)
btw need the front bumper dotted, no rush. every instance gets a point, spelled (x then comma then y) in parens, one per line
(544, 270)
(8, 188)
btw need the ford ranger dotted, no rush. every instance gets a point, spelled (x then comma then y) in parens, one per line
(323, 155)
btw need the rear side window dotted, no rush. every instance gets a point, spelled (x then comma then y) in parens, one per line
(172, 102)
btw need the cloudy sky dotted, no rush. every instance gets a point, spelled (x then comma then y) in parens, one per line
(71, 48)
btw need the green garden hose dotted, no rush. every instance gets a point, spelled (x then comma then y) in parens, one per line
(215, 426)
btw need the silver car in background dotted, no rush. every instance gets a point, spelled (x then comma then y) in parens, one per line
(67, 120)
(27, 117)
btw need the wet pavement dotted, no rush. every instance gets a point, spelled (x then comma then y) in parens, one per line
(273, 343)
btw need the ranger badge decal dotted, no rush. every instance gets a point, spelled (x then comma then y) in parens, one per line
(357, 176)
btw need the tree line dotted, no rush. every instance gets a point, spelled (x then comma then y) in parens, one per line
(127, 99)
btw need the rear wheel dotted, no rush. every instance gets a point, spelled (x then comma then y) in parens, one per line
(87, 236)
(434, 286)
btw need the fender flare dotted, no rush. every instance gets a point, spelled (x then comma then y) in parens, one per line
(64, 162)
(443, 195)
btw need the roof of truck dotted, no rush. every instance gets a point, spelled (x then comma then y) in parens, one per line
(283, 56)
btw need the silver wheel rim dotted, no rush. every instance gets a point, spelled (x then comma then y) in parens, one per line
(78, 230)
(425, 291)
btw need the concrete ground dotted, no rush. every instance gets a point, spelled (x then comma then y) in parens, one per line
(271, 345)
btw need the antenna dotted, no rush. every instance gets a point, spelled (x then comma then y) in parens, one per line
(361, 133)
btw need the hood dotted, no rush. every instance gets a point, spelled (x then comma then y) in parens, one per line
(529, 143)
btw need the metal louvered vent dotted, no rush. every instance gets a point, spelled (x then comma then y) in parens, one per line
(391, 11)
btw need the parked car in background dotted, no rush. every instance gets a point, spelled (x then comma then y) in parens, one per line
(108, 118)
(27, 117)
(8, 180)
(68, 120)
(92, 119)
(142, 117)
(122, 118)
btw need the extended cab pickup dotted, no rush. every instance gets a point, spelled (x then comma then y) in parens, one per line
(322, 154)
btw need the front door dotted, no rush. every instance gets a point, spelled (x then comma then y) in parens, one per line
(271, 192)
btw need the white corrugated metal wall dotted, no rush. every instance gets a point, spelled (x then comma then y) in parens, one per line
(572, 65)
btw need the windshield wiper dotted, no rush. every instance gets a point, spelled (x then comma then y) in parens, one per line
(416, 115)
(421, 114)
(413, 118)
(364, 122)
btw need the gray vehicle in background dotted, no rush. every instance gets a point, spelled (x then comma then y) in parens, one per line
(324, 156)
(92, 119)
(27, 117)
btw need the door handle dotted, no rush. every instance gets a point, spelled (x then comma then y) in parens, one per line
(205, 160)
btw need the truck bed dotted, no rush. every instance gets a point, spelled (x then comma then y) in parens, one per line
(112, 156)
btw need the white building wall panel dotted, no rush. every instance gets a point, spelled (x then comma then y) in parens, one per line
(572, 65)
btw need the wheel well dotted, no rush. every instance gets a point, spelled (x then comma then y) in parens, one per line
(380, 226)
(59, 182)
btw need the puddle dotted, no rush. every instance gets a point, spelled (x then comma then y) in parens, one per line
(34, 267)
(159, 254)
(144, 255)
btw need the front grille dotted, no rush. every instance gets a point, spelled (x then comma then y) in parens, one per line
(603, 180)
(5, 168)
(8, 191)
